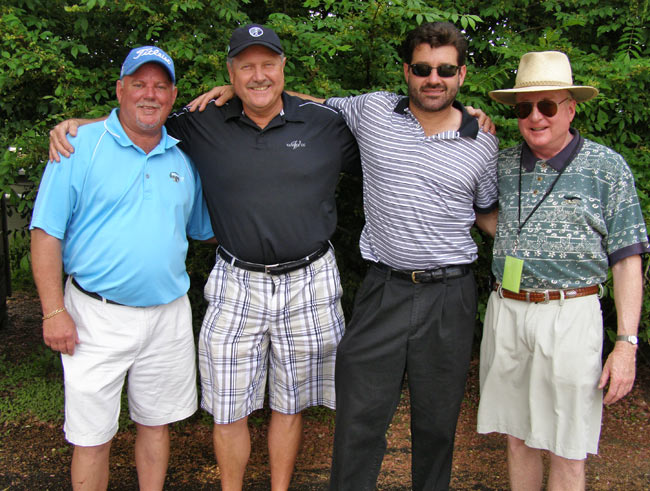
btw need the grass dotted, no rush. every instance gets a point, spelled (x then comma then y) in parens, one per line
(32, 389)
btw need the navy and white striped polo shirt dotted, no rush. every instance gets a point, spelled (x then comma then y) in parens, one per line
(420, 192)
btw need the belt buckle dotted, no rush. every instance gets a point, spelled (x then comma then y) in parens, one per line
(413, 273)
(269, 267)
(547, 296)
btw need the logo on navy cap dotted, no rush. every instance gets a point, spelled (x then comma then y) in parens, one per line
(256, 31)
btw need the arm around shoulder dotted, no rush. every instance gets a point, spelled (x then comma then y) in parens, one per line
(59, 144)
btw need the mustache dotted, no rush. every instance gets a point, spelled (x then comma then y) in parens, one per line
(433, 86)
(155, 105)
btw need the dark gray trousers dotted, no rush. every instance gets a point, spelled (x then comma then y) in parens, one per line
(398, 328)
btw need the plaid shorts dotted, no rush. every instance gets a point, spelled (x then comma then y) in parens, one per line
(286, 325)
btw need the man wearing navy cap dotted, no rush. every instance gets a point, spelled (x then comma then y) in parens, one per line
(270, 164)
(115, 216)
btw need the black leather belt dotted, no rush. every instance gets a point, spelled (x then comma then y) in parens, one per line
(94, 295)
(428, 275)
(274, 269)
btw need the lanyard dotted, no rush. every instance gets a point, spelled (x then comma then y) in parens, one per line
(546, 194)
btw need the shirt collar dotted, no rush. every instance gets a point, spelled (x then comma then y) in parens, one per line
(559, 161)
(289, 112)
(468, 124)
(115, 128)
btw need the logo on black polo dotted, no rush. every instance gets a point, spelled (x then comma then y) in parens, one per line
(296, 144)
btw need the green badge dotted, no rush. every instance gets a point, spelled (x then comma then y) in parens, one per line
(512, 273)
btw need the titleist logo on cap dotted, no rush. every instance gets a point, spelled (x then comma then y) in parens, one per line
(152, 52)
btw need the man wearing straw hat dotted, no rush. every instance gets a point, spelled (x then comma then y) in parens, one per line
(568, 210)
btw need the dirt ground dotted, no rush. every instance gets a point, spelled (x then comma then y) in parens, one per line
(35, 456)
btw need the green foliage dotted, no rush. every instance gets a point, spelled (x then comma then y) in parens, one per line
(60, 59)
(31, 388)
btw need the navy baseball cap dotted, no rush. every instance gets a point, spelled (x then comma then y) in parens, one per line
(246, 36)
(147, 54)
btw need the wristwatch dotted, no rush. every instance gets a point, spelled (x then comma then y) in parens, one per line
(630, 339)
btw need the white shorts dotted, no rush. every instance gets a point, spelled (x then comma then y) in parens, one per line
(154, 345)
(540, 366)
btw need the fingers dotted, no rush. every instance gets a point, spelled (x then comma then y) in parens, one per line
(620, 371)
(615, 393)
(489, 127)
(194, 103)
(618, 390)
(60, 333)
(59, 144)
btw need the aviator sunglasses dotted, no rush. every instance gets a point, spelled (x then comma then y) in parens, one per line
(424, 70)
(547, 108)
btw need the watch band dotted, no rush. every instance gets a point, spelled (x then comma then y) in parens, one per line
(630, 339)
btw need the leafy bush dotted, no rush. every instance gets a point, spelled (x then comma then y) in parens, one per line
(60, 59)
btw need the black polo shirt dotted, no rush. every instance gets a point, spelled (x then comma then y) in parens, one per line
(270, 192)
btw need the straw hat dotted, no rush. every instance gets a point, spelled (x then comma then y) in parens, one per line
(541, 71)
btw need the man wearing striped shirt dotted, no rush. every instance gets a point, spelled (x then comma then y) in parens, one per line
(429, 174)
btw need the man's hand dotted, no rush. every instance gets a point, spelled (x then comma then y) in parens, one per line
(484, 121)
(221, 95)
(619, 370)
(60, 333)
(59, 143)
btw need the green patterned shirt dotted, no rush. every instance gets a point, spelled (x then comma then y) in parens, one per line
(592, 216)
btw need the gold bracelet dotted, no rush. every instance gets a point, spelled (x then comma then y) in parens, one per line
(53, 313)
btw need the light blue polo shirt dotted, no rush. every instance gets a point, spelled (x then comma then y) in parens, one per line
(123, 216)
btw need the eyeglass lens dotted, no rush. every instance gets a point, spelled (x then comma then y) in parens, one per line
(547, 108)
(424, 70)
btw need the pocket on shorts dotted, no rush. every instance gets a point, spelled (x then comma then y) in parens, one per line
(210, 289)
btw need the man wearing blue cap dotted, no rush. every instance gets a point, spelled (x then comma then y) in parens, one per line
(270, 164)
(115, 216)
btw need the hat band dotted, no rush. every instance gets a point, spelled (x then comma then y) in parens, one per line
(542, 83)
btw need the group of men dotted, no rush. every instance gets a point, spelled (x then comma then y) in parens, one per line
(268, 164)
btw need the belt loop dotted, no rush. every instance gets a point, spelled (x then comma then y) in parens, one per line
(601, 291)
(500, 290)
(561, 298)
(388, 274)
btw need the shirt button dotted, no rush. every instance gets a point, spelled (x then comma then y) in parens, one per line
(535, 191)
(539, 178)
(147, 176)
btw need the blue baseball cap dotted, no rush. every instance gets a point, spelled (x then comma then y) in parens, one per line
(147, 54)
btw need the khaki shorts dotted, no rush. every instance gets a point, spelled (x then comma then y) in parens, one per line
(540, 366)
(154, 345)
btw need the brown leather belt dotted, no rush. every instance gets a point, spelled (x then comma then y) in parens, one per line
(545, 296)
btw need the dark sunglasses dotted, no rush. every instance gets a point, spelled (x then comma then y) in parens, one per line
(547, 108)
(424, 70)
